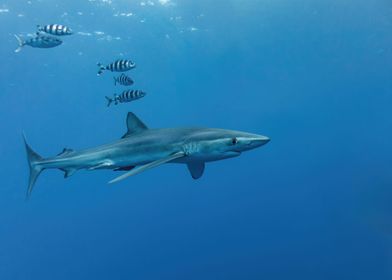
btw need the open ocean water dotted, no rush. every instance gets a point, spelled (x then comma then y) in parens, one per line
(314, 203)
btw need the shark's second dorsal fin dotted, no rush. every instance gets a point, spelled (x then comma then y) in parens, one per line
(65, 151)
(134, 125)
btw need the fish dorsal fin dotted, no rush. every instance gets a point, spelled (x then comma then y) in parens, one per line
(65, 151)
(196, 169)
(134, 125)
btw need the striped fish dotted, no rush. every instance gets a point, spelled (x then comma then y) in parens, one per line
(126, 96)
(55, 29)
(39, 41)
(120, 65)
(123, 80)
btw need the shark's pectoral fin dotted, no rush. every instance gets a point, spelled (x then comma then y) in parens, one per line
(196, 169)
(147, 166)
(68, 172)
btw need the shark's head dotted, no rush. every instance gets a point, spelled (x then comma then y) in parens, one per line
(216, 144)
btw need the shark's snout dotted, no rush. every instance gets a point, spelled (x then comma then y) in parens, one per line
(259, 141)
(248, 142)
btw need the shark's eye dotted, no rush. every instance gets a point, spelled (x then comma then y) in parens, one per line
(234, 141)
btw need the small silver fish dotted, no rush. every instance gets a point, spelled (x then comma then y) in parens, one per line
(126, 96)
(55, 29)
(39, 41)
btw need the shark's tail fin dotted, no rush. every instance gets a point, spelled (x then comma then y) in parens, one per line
(35, 167)
(101, 68)
(20, 42)
(110, 100)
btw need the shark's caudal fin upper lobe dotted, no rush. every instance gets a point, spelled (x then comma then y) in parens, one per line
(35, 168)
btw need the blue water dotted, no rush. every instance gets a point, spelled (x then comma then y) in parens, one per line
(314, 203)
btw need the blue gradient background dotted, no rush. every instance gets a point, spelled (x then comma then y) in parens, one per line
(315, 203)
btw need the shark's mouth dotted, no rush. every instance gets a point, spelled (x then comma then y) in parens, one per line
(233, 153)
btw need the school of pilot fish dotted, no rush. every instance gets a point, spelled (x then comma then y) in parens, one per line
(48, 36)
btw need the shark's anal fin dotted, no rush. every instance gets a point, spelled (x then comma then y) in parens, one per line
(134, 125)
(68, 172)
(196, 169)
(147, 166)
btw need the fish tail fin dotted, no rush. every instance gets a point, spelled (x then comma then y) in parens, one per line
(101, 69)
(115, 81)
(21, 43)
(39, 28)
(36, 168)
(110, 100)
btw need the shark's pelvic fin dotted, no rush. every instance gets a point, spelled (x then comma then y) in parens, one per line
(196, 169)
(104, 164)
(147, 166)
(124, 168)
(134, 125)
(35, 168)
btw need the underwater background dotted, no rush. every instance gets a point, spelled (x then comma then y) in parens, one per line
(314, 203)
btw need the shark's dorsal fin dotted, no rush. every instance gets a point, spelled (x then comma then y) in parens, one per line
(196, 169)
(134, 125)
(65, 151)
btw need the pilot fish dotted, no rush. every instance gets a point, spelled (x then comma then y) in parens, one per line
(126, 96)
(120, 65)
(55, 29)
(123, 80)
(39, 41)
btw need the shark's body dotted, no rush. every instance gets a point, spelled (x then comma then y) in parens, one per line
(142, 148)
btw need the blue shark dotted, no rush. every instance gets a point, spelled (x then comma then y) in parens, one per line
(141, 149)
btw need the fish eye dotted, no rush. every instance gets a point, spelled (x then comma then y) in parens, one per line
(234, 141)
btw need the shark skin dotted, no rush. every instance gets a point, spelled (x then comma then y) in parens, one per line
(142, 148)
